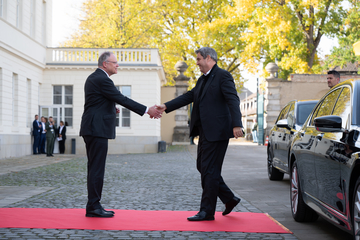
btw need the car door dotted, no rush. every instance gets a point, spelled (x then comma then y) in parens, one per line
(284, 138)
(277, 135)
(327, 148)
(308, 142)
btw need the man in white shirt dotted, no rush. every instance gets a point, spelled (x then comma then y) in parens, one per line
(42, 136)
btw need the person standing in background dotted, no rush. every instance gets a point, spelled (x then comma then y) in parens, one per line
(42, 136)
(333, 78)
(254, 131)
(36, 134)
(50, 137)
(62, 137)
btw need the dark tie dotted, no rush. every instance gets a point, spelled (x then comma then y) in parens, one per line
(203, 85)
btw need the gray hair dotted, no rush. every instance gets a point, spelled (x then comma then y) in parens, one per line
(205, 51)
(103, 58)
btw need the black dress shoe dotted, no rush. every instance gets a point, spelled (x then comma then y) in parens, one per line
(201, 216)
(229, 206)
(99, 213)
(112, 212)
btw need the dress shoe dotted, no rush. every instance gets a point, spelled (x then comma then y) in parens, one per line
(229, 206)
(112, 212)
(201, 216)
(98, 213)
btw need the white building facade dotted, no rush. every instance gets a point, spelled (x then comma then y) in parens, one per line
(35, 79)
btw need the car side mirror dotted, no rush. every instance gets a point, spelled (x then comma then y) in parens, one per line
(328, 123)
(283, 123)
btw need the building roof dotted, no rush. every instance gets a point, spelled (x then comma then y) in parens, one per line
(352, 68)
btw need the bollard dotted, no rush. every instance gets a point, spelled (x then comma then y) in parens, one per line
(161, 146)
(73, 146)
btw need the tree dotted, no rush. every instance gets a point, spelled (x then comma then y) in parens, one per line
(177, 28)
(350, 30)
(287, 30)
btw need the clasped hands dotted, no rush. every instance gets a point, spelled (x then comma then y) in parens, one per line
(237, 131)
(156, 111)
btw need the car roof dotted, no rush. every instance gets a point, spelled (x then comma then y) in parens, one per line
(303, 101)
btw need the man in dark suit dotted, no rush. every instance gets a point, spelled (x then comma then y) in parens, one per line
(98, 125)
(215, 118)
(36, 134)
(62, 137)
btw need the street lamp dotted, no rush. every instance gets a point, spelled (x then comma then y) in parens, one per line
(356, 47)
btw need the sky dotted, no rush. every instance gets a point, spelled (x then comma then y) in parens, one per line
(65, 19)
(66, 15)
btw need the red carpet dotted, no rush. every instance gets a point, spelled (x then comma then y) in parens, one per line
(137, 220)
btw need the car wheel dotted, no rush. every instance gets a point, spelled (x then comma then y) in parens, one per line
(300, 211)
(356, 210)
(273, 173)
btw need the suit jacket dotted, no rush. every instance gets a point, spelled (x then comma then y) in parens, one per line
(99, 117)
(63, 132)
(218, 107)
(36, 128)
(50, 133)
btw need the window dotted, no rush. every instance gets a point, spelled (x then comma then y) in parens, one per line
(32, 18)
(123, 118)
(291, 115)
(343, 107)
(28, 103)
(14, 100)
(1, 8)
(303, 111)
(62, 101)
(283, 113)
(1, 95)
(18, 13)
(326, 106)
(43, 22)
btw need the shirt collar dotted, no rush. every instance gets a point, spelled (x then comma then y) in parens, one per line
(104, 72)
(205, 74)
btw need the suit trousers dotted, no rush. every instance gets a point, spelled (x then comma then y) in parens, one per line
(62, 146)
(96, 150)
(42, 142)
(50, 141)
(209, 163)
(36, 148)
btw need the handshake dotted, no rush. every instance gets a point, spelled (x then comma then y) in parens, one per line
(156, 111)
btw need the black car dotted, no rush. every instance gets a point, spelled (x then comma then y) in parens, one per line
(325, 163)
(288, 123)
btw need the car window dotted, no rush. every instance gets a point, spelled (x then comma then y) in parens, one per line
(291, 115)
(343, 107)
(283, 113)
(326, 106)
(303, 111)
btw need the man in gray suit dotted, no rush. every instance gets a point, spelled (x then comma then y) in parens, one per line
(98, 125)
(50, 137)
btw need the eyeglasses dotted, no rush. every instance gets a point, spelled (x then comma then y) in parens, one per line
(112, 62)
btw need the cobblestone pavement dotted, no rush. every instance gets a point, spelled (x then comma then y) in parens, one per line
(163, 181)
